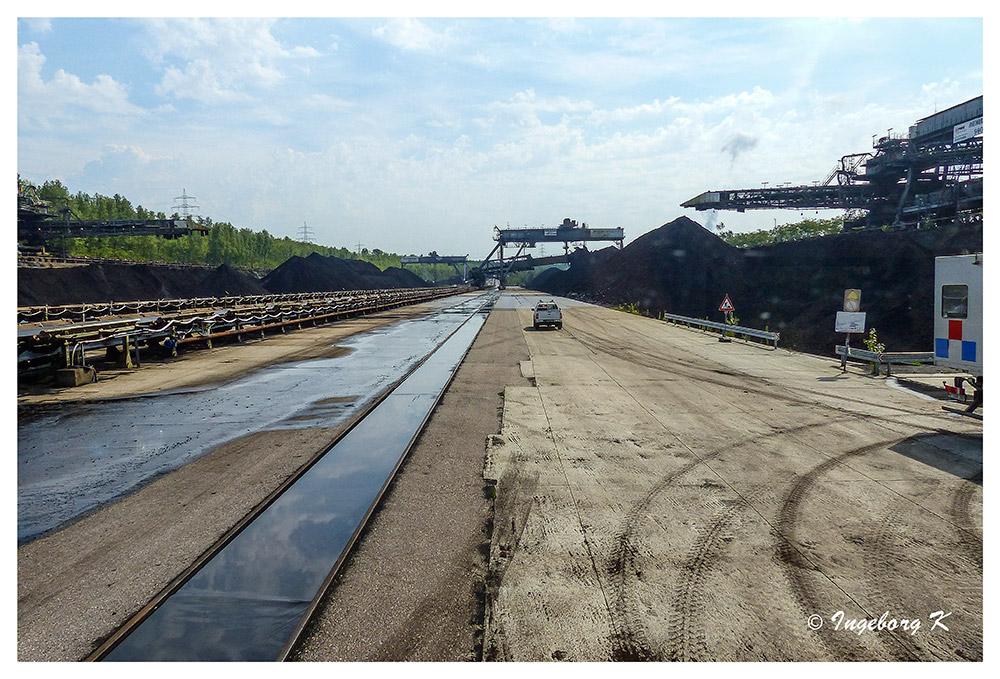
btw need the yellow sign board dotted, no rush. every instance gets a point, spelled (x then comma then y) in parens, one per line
(852, 300)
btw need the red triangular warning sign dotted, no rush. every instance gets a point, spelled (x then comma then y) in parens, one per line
(727, 305)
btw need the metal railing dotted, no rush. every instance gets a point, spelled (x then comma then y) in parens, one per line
(723, 328)
(885, 358)
(43, 347)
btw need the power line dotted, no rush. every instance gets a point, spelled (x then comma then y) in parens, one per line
(185, 208)
(306, 234)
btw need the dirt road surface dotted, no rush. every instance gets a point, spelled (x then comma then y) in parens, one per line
(658, 496)
(665, 496)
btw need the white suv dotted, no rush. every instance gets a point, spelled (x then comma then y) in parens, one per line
(547, 313)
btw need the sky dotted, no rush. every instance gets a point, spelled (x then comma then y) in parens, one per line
(418, 134)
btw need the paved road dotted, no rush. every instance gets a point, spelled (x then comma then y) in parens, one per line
(665, 496)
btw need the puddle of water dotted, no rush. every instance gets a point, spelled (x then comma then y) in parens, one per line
(244, 604)
(74, 461)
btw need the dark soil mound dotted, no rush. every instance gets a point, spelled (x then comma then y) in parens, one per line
(317, 273)
(679, 267)
(795, 288)
(404, 278)
(124, 283)
(226, 281)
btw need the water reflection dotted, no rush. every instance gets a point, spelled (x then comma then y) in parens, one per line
(245, 602)
(81, 458)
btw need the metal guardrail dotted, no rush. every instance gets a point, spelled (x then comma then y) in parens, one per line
(885, 358)
(737, 330)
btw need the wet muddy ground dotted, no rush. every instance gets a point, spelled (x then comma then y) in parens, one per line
(75, 458)
(244, 604)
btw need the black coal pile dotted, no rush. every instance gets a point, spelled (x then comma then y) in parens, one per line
(226, 281)
(95, 283)
(317, 273)
(404, 278)
(795, 288)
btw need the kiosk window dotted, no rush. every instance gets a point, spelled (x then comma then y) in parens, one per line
(954, 301)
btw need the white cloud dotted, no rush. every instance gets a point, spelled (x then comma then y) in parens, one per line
(411, 34)
(214, 61)
(518, 124)
(326, 103)
(44, 103)
(565, 25)
(131, 171)
(38, 25)
(525, 106)
(654, 108)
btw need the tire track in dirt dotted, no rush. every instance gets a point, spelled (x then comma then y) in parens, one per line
(842, 646)
(687, 635)
(793, 395)
(632, 641)
(971, 542)
(882, 551)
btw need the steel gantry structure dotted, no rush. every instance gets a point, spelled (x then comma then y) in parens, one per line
(933, 173)
(498, 265)
(36, 225)
(434, 258)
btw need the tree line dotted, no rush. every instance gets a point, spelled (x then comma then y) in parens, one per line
(223, 244)
(807, 228)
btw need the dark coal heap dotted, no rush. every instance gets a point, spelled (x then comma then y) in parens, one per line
(795, 288)
(317, 273)
(226, 281)
(95, 283)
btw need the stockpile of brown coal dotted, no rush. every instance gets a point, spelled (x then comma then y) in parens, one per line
(795, 288)
(317, 273)
(96, 283)
(226, 281)
(679, 267)
(404, 278)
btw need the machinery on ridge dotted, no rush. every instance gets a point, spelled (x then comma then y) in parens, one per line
(935, 173)
(36, 225)
(497, 265)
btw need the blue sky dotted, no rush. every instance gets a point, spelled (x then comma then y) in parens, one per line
(411, 135)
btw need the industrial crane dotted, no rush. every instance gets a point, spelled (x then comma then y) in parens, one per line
(933, 173)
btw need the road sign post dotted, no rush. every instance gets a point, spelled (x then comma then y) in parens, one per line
(726, 308)
(850, 320)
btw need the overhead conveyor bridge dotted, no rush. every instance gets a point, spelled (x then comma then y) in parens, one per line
(933, 174)
(434, 258)
(498, 265)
